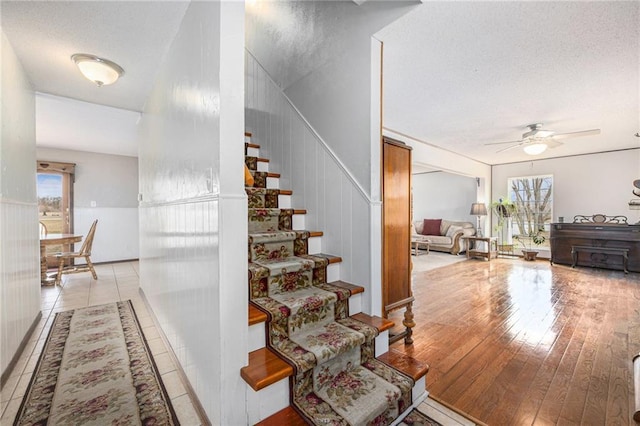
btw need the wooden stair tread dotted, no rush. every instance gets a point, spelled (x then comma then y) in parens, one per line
(263, 160)
(381, 324)
(316, 233)
(354, 289)
(285, 192)
(285, 417)
(405, 363)
(299, 211)
(264, 369)
(256, 316)
(273, 175)
(251, 145)
(330, 258)
(247, 134)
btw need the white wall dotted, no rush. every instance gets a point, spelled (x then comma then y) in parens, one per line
(322, 55)
(440, 195)
(425, 154)
(193, 217)
(335, 204)
(94, 128)
(19, 247)
(111, 182)
(582, 185)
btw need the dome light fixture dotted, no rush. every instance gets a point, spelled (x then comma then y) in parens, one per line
(535, 148)
(99, 70)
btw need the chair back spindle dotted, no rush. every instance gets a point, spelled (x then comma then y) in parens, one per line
(85, 250)
(43, 230)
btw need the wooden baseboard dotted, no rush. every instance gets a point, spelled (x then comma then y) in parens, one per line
(12, 364)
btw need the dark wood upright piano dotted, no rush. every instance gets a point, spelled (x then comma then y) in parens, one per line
(600, 243)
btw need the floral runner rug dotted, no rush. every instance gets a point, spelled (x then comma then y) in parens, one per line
(418, 418)
(96, 369)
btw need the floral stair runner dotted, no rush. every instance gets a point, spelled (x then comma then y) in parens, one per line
(337, 380)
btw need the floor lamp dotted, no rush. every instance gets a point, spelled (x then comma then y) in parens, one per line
(478, 209)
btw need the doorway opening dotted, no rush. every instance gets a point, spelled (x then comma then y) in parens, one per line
(54, 183)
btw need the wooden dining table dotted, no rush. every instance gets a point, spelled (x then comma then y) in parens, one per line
(49, 240)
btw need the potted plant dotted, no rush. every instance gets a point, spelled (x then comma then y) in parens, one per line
(504, 211)
(527, 242)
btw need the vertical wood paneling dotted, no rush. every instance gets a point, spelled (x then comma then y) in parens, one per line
(19, 274)
(19, 245)
(320, 185)
(195, 288)
(311, 178)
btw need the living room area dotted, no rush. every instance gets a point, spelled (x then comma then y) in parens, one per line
(511, 341)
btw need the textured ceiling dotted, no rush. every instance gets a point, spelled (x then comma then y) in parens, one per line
(133, 34)
(456, 74)
(461, 74)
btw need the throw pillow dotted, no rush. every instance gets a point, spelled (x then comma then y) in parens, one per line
(452, 230)
(431, 227)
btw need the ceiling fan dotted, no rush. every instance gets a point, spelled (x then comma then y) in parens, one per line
(536, 140)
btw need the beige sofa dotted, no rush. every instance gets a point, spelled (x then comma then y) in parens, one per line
(449, 239)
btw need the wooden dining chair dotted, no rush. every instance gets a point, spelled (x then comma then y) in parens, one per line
(43, 229)
(85, 252)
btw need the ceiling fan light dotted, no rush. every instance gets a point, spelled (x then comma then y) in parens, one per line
(99, 70)
(535, 148)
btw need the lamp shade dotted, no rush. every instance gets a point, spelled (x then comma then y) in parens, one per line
(478, 209)
(99, 70)
(535, 148)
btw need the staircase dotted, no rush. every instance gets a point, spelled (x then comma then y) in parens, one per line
(315, 358)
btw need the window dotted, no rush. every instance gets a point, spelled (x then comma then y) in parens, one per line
(55, 199)
(533, 199)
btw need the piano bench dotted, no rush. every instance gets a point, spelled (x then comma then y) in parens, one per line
(601, 250)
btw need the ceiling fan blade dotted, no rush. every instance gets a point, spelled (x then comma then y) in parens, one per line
(500, 143)
(576, 134)
(509, 147)
(551, 143)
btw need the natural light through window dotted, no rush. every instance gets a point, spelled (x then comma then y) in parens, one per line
(531, 293)
(533, 200)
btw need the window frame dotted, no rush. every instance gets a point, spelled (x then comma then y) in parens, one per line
(546, 225)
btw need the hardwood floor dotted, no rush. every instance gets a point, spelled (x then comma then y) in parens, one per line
(519, 343)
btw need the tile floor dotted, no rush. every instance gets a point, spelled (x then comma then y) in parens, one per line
(116, 282)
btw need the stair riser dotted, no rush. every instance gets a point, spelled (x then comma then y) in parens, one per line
(382, 342)
(270, 220)
(355, 303)
(257, 331)
(262, 198)
(284, 201)
(253, 152)
(273, 183)
(256, 337)
(420, 391)
(333, 273)
(315, 245)
(298, 222)
(263, 166)
(268, 200)
(267, 401)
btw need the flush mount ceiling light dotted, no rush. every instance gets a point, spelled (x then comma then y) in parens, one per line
(99, 70)
(535, 148)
